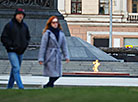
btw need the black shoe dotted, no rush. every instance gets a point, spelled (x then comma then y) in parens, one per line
(45, 86)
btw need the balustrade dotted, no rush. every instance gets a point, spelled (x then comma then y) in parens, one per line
(132, 17)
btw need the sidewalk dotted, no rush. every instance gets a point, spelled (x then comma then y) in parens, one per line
(36, 82)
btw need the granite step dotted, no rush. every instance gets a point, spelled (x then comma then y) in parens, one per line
(32, 67)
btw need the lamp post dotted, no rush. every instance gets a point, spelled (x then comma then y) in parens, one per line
(110, 33)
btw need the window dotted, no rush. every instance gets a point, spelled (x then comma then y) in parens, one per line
(103, 7)
(101, 42)
(131, 41)
(134, 6)
(76, 6)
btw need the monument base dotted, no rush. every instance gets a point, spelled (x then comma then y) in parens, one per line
(84, 73)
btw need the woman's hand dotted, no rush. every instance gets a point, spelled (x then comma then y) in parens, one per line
(67, 60)
(40, 62)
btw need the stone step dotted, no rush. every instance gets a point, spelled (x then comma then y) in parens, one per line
(31, 67)
(84, 73)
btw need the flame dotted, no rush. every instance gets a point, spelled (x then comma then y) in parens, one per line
(96, 65)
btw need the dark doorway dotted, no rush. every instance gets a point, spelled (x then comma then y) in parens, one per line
(100, 42)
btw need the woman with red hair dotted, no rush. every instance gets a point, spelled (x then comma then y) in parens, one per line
(53, 45)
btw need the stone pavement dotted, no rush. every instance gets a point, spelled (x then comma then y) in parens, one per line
(32, 77)
(36, 82)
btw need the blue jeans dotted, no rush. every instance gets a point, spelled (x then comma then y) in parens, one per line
(15, 61)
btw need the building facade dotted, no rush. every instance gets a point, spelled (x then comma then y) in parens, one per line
(90, 20)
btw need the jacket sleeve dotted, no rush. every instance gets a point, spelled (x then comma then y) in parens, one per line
(5, 38)
(64, 48)
(43, 46)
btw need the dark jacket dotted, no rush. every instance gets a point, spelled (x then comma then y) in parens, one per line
(15, 36)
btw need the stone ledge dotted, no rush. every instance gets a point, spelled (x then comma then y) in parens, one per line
(84, 73)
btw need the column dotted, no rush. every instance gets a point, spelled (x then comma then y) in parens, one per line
(129, 5)
(125, 12)
(61, 6)
(125, 6)
(117, 6)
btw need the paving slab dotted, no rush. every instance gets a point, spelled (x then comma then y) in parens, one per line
(37, 82)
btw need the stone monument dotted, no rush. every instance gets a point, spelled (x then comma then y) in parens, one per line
(38, 12)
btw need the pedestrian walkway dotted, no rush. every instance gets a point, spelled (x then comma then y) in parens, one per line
(36, 82)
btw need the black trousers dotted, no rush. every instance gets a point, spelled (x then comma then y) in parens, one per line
(51, 82)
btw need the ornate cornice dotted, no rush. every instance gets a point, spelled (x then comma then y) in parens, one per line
(26, 3)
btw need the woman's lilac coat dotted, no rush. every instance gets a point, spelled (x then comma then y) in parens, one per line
(51, 54)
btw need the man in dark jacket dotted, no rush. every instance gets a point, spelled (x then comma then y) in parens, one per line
(15, 37)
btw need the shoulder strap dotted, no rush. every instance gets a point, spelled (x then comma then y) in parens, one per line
(25, 25)
(48, 38)
(11, 24)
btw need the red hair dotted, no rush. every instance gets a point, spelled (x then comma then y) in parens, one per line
(49, 23)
